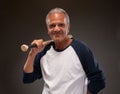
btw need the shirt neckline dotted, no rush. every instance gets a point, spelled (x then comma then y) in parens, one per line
(62, 49)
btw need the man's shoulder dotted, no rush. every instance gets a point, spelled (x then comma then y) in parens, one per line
(47, 47)
(77, 43)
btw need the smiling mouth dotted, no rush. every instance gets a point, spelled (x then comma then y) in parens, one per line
(57, 34)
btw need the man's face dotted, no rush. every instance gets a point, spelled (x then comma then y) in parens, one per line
(58, 27)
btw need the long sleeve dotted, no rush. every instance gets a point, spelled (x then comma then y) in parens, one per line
(36, 74)
(93, 72)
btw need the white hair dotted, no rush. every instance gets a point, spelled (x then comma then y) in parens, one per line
(58, 10)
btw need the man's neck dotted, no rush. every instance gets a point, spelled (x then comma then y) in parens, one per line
(63, 44)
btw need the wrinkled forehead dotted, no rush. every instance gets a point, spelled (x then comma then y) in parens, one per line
(52, 17)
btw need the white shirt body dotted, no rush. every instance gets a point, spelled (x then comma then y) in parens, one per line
(62, 72)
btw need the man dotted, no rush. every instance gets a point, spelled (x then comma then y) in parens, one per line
(66, 64)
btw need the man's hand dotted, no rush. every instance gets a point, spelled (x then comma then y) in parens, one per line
(88, 92)
(39, 48)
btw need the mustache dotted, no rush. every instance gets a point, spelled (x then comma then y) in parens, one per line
(57, 32)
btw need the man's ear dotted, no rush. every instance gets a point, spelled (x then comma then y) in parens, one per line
(68, 28)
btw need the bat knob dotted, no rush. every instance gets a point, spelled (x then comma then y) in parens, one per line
(24, 47)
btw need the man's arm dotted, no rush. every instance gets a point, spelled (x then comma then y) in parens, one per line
(31, 69)
(28, 67)
(93, 72)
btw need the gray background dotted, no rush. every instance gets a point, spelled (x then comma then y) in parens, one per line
(97, 22)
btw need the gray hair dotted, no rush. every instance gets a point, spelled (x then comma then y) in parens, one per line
(58, 10)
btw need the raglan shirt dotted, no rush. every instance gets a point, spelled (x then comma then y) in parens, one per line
(69, 71)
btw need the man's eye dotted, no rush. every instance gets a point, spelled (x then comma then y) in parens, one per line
(51, 26)
(61, 25)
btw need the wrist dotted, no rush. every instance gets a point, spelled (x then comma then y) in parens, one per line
(32, 54)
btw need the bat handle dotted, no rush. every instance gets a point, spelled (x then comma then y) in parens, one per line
(25, 47)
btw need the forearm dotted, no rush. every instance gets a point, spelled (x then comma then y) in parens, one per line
(28, 67)
(29, 73)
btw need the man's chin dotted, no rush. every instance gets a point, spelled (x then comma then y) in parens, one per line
(57, 40)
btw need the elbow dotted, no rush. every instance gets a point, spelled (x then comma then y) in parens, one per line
(97, 86)
(27, 81)
(27, 78)
(103, 84)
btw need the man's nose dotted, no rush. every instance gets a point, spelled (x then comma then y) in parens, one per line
(57, 28)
